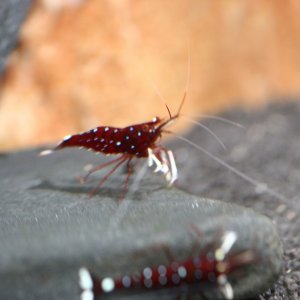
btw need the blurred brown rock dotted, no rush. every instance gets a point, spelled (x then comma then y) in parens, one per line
(85, 63)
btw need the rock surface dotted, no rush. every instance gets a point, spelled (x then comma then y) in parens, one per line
(268, 150)
(12, 13)
(49, 228)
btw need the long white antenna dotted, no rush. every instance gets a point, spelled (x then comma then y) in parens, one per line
(208, 130)
(205, 116)
(260, 187)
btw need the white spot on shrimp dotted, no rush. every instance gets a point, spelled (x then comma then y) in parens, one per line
(139, 133)
(118, 143)
(131, 128)
(182, 272)
(106, 128)
(116, 130)
(102, 140)
(95, 139)
(126, 281)
(132, 147)
(67, 137)
(95, 130)
(162, 270)
(127, 137)
(148, 283)
(111, 141)
(107, 284)
(147, 272)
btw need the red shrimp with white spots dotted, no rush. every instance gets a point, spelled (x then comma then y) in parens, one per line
(195, 273)
(139, 141)
(134, 141)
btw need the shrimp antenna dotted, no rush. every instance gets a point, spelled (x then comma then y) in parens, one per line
(181, 104)
(158, 93)
(170, 115)
(185, 92)
(168, 109)
(188, 71)
(218, 118)
(260, 187)
(188, 75)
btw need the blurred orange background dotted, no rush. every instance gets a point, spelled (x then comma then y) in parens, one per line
(86, 63)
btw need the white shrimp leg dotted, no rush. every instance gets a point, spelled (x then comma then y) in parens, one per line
(229, 239)
(152, 159)
(174, 171)
(165, 163)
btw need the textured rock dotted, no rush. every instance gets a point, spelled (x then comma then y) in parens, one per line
(12, 13)
(267, 150)
(49, 228)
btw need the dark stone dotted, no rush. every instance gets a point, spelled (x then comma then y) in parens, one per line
(49, 227)
(12, 13)
(268, 150)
